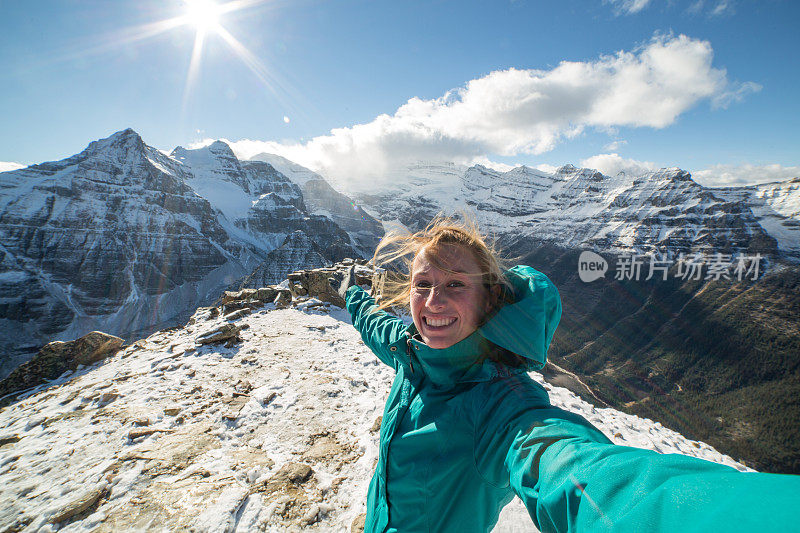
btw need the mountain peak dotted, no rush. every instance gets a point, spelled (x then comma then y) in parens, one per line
(219, 145)
(669, 173)
(566, 169)
(123, 140)
(216, 150)
(128, 134)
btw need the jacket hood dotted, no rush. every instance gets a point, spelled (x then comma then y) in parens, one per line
(526, 326)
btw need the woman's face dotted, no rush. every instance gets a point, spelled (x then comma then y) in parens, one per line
(447, 307)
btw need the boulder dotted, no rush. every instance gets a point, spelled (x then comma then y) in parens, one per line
(237, 314)
(203, 313)
(57, 357)
(266, 294)
(229, 296)
(316, 284)
(297, 473)
(219, 334)
(283, 299)
(81, 503)
(236, 305)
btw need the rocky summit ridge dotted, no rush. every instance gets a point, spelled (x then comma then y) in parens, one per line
(261, 413)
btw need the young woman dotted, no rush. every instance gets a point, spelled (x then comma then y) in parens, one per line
(465, 428)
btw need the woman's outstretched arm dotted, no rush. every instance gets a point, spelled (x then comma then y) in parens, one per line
(379, 329)
(572, 478)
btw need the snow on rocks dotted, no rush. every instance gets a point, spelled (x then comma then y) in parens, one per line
(273, 432)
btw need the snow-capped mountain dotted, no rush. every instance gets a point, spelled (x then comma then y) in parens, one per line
(275, 432)
(777, 207)
(663, 211)
(123, 238)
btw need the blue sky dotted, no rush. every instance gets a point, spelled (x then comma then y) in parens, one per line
(709, 86)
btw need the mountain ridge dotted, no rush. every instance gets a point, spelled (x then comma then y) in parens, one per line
(117, 238)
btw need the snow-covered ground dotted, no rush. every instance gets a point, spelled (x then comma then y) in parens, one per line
(233, 428)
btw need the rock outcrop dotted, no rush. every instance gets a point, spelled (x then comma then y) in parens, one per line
(58, 357)
(302, 285)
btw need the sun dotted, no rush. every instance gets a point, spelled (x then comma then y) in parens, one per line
(206, 17)
(203, 14)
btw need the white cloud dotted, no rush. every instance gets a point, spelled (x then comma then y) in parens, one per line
(613, 164)
(735, 94)
(544, 167)
(743, 174)
(627, 7)
(511, 112)
(696, 7)
(614, 146)
(717, 9)
(494, 165)
(5, 166)
(723, 7)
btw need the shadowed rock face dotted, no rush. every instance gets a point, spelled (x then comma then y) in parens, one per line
(58, 357)
(321, 198)
(297, 249)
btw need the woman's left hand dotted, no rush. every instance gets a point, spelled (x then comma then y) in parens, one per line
(341, 281)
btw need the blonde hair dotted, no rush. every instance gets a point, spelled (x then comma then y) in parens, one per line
(398, 249)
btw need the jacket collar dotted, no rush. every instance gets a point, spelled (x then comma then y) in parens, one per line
(464, 362)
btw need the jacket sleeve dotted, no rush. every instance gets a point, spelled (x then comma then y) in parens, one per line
(378, 328)
(572, 478)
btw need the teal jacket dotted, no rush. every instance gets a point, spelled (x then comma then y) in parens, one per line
(461, 435)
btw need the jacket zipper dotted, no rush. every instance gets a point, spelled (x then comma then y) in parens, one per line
(410, 357)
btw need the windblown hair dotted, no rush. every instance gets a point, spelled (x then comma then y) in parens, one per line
(397, 250)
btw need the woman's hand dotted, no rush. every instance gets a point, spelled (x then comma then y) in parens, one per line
(341, 281)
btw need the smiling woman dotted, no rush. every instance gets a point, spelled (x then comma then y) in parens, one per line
(465, 428)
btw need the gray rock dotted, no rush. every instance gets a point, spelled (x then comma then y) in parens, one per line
(238, 314)
(219, 334)
(296, 473)
(58, 357)
(203, 313)
(266, 294)
(108, 397)
(283, 299)
(79, 505)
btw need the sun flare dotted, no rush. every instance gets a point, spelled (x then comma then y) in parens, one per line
(206, 17)
(203, 14)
